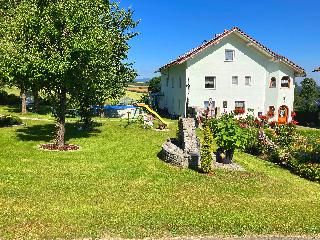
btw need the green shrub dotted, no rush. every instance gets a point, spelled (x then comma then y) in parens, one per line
(228, 133)
(208, 136)
(8, 120)
(206, 158)
(253, 145)
(206, 150)
(8, 99)
(309, 171)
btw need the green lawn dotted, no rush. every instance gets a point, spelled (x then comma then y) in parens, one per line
(134, 95)
(117, 186)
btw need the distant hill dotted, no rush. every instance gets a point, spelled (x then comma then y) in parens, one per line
(142, 80)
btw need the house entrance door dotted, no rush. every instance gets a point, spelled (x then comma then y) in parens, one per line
(283, 115)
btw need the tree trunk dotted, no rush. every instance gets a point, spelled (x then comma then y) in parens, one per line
(36, 104)
(61, 119)
(60, 132)
(23, 101)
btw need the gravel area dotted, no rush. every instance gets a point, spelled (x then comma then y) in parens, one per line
(231, 167)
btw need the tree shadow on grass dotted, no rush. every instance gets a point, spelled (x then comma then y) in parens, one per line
(45, 132)
(43, 110)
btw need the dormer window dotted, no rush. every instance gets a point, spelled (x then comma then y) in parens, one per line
(273, 82)
(285, 82)
(229, 55)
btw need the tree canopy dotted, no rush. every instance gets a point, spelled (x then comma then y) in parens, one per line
(154, 84)
(73, 50)
(306, 99)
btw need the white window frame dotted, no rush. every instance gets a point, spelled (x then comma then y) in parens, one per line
(242, 103)
(235, 77)
(233, 55)
(214, 82)
(250, 80)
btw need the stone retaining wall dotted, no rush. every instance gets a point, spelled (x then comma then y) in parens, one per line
(186, 151)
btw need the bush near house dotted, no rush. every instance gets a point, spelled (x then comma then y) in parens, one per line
(8, 120)
(8, 99)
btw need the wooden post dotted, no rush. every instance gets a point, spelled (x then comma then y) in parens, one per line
(128, 117)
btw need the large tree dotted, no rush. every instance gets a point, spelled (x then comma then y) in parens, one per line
(308, 96)
(79, 49)
(19, 55)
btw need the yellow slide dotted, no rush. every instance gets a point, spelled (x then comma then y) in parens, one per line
(154, 113)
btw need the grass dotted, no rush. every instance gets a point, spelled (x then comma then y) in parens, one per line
(117, 186)
(134, 95)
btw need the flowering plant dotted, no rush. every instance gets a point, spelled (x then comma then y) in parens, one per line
(239, 111)
(270, 114)
(293, 122)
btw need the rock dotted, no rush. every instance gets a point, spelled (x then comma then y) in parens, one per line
(185, 152)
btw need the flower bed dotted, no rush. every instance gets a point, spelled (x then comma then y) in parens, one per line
(282, 144)
(54, 147)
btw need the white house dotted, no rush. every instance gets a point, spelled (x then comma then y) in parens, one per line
(235, 72)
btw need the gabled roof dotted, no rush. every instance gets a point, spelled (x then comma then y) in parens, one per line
(317, 70)
(251, 41)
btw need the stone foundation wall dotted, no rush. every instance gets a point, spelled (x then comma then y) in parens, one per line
(174, 155)
(186, 152)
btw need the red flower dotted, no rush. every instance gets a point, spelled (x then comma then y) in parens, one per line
(293, 114)
(272, 124)
(294, 122)
(262, 117)
(239, 111)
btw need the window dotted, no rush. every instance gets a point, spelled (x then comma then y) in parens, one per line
(239, 107)
(248, 81)
(235, 80)
(225, 104)
(180, 85)
(167, 83)
(229, 55)
(271, 111)
(285, 82)
(210, 82)
(179, 104)
(172, 82)
(273, 82)
(239, 104)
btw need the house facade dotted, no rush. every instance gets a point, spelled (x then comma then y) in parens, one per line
(232, 72)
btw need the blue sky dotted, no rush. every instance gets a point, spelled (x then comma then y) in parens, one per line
(169, 28)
